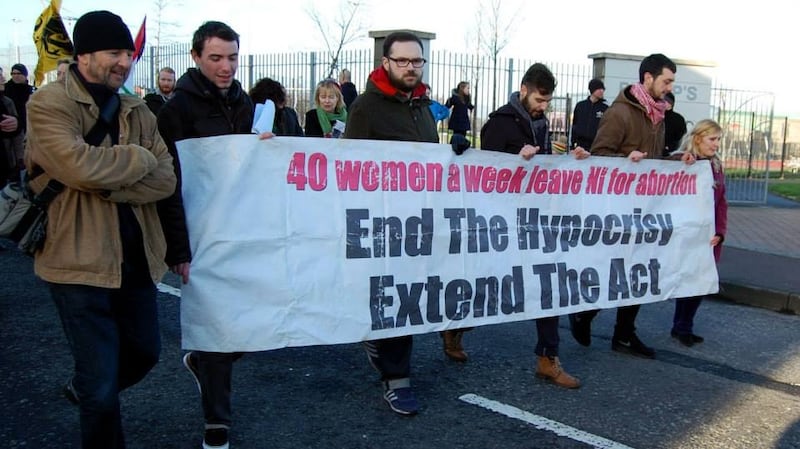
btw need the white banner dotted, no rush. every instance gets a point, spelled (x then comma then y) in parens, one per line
(303, 241)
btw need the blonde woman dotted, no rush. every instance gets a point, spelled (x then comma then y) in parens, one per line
(330, 115)
(703, 143)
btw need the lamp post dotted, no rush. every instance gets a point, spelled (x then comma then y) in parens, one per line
(16, 37)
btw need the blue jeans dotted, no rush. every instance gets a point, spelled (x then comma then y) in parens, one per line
(114, 338)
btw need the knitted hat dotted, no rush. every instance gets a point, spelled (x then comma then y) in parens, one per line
(101, 30)
(20, 68)
(596, 84)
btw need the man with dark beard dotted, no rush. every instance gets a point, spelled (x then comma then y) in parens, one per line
(633, 128)
(521, 127)
(394, 107)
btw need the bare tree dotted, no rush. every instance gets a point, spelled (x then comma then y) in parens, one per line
(163, 27)
(495, 29)
(338, 30)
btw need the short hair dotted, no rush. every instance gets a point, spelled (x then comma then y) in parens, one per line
(167, 69)
(654, 65)
(400, 36)
(268, 89)
(540, 78)
(212, 29)
(330, 84)
(64, 61)
(344, 75)
(670, 97)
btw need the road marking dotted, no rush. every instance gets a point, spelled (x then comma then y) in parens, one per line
(543, 423)
(168, 289)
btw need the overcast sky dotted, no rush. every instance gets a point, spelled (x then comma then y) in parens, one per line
(752, 44)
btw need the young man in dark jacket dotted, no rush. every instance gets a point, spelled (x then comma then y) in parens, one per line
(520, 127)
(394, 107)
(587, 115)
(208, 101)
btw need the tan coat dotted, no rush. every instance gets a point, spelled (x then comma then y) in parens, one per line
(83, 235)
(625, 127)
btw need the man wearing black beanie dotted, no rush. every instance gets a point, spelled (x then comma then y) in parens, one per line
(19, 91)
(104, 250)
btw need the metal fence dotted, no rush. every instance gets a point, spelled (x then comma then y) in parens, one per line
(756, 145)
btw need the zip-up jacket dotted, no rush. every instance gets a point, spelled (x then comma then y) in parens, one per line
(196, 110)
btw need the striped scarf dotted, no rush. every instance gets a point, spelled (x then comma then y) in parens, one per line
(655, 109)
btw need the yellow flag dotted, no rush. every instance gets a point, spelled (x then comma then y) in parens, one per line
(51, 39)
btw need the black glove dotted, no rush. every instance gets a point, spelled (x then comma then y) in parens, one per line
(459, 143)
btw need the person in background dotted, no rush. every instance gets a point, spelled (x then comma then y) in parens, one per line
(349, 91)
(674, 126)
(520, 127)
(105, 251)
(19, 91)
(460, 103)
(587, 115)
(166, 88)
(703, 143)
(9, 128)
(394, 107)
(286, 122)
(61, 68)
(632, 127)
(439, 111)
(329, 117)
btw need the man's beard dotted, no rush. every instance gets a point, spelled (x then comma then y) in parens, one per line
(527, 106)
(400, 84)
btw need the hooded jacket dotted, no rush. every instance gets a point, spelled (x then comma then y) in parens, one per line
(510, 128)
(84, 244)
(625, 127)
(196, 110)
(384, 113)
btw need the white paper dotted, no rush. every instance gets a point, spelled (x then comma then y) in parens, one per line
(264, 117)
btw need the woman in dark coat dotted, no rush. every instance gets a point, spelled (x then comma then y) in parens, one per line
(461, 104)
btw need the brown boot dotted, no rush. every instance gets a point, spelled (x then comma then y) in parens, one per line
(550, 368)
(452, 345)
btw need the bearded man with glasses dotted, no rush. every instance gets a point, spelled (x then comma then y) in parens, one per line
(394, 106)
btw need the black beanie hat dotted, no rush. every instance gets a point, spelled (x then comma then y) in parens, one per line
(20, 68)
(596, 84)
(101, 30)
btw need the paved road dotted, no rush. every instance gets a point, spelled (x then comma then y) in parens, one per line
(738, 390)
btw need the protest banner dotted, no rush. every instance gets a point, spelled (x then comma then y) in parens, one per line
(301, 241)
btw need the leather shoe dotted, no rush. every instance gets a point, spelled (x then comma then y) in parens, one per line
(549, 368)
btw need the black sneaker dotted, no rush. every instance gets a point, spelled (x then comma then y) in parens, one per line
(695, 338)
(216, 439)
(581, 329)
(70, 393)
(633, 346)
(188, 362)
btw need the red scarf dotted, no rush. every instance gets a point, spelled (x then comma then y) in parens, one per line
(380, 78)
(655, 109)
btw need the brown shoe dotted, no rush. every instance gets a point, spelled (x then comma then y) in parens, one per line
(549, 368)
(452, 345)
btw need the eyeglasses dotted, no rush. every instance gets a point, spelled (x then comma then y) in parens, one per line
(404, 62)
